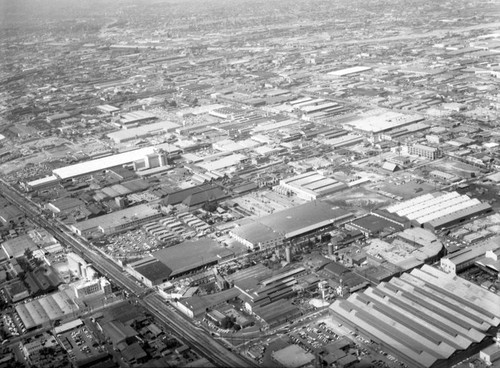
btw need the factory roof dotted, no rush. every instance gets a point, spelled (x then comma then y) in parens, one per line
(377, 121)
(256, 233)
(467, 254)
(223, 162)
(248, 278)
(191, 254)
(135, 116)
(276, 310)
(117, 331)
(152, 269)
(374, 223)
(118, 218)
(348, 71)
(304, 218)
(16, 247)
(49, 308)
(293, 356)
(102, 163)
(424, 316)
(143, 130)
(199, 304)
(42, 181)
(439, 208)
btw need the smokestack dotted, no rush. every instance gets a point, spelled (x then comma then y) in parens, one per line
(288, 254)
(330, 249)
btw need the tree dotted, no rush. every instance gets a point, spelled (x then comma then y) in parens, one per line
(28, 253)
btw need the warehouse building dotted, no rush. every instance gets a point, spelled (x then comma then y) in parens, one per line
(134, 118)
(191, 256)
(108, 162)
(371, 225)
(40, 184)
(41, 312)
(309, 186)
(117, 221)
(296, 225)
(126, 135)
(375, 123)
(425, 318)
(150, 271)
(465, 258)
(439, 210)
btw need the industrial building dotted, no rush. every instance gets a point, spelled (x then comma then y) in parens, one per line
(126, 135)
(309, 186)
(375, 123)
(41, 312)
(371, 225)
(406, 250)
(134, 118)
(16, 247)
(120, 159)
(439, 210)
(196, 306)
(117, 221)
(39, 184)
(190, 256)
(426, 318)
(293, 224)
(11, 216)
(349, 71)
(150, 271)
(466, 257)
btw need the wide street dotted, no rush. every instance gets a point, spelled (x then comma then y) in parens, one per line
(154, 303)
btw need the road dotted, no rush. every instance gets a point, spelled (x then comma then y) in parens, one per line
(151, 301)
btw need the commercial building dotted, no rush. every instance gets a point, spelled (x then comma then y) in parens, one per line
(439, 210)
(426, 318)
(431, 153)
(92, 288)
(118, 221)
(309, 186)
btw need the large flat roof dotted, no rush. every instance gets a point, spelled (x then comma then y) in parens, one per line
(142, 130)
(117, 218)
(377, 121)
(190, 254)
(348, 71)
(304, 218)
(102, 163)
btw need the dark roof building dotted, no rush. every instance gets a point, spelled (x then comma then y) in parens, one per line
(150, 271)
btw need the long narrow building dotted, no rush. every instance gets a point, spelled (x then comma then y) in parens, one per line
(426, 318)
